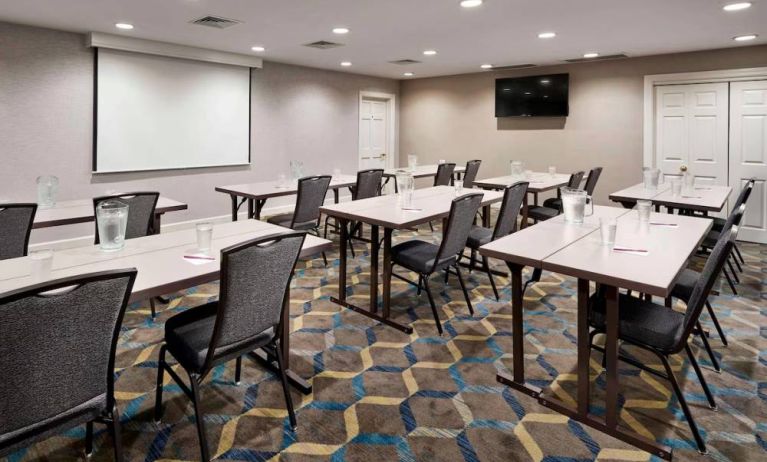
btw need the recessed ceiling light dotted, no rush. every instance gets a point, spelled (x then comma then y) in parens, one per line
(124, 26)
(341, 30)
(528, 93)
(486, 66)
(258, 49)
(408, 74)
(470, 3)
(545, 96)
(745, 38)
(736, 6)
(430, 52)
(346, 63)
(591, 55)
(545, 81)
(545, 35)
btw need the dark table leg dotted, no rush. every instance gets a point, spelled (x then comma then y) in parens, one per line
(535, 198)
(251, 208)
(387, 272)
(259, 206)
(611, 353)
(374, 246)
(524, 212)
(584, 349)
(335, 195)
(485, 217)
(157, 223)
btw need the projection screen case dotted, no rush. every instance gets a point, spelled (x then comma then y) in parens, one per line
(157, 113)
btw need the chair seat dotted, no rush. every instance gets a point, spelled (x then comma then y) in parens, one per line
(553, 203)
(188, 335)
(286, 219)
(541, 213)
(418, 256)
(718, 224)
(641, 322)
(479, 236)
(685, 285)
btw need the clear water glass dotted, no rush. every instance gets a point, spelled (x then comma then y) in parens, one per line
(47, 188)
(676, 187)
(112, 221)
(651, 176)
(644, 208)
(688, 180)
(336, 172)
(552, 170)
(528, 174)
(405, 186)
(412, 161)
(441, 161)
(608, 228)
(42, 263)
(517, 168)
(296, 169)
(458, 187)
(204, 237)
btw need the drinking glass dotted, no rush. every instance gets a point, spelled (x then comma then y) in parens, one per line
(112, 220)
(676, 187)
(47, 187)
(441, 161)
(552, 170)
(412, 161)
(282, 181)
(517, 168)
(528, 174)
(651, 178)
(336, 172)
(296, 169)
(608, 227)
(688, 182)
(405, 185)
(204, 236)
(644, 208)
(458, 187)
(574, 204)
(42, 263)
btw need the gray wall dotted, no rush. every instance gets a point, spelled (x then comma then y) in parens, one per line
(46, 112)
(453, 117)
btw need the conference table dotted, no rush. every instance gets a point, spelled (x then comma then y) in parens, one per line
(162, 266)
(576, 250)
(701, 199)
(256, 194)
(81, 211)
(384, 212)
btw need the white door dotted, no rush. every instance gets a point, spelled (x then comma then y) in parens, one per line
(373, 133)
(748, 153)
(691, 130)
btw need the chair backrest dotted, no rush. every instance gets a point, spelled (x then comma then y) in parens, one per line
(58, 348)
(368, 183)
(575, 180)
(311, 196)
(706, 281)
(444, 174)
(744, 193)
(510, 205)
(141, 207)
(591, 181)
(459, 223)
(734, 218)
(470, 175)
(15, 225)
(255, 277)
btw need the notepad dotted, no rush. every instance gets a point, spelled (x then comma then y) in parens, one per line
(199, 259)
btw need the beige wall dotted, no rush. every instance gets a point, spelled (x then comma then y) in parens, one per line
(46, 113)
(453, 117)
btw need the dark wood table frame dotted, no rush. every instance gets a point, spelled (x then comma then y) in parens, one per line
(256, 202)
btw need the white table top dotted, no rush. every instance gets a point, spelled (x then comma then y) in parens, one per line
(428, 204)
(423, 171)
(267, 189)
(539, 181)
(81, 211)
(702, 198)
(158, 258)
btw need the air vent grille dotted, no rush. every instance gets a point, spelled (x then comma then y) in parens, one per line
(215, 21)
(323, 45)
(405, 62)
(512, 66)
(598, 58)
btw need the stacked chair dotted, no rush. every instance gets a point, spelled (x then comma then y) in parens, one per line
(15, 226)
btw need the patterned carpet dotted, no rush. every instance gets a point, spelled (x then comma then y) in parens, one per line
(380, 395)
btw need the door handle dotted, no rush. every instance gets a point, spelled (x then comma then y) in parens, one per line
(383, 154)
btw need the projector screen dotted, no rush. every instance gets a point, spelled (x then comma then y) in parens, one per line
(157, 113)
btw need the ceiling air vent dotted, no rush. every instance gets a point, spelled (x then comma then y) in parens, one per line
(511, 67)
(323, 45)
(598, 58)
(215, 21)
(405, 62)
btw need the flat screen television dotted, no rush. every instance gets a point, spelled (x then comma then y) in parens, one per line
(536, 96)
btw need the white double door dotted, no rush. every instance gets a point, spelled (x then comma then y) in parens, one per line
(719, 131)
(374, 133)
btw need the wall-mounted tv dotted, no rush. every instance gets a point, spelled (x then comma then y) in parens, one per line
(536, 96)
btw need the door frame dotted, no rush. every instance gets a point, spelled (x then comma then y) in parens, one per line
(392, 157)
(651, 81)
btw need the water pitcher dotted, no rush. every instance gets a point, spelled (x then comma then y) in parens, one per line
(405, 186)
(296, 169)
(651, 178)
(574, 204)
(112, 219)
(47, 187)
(412, 161)
(517, 169)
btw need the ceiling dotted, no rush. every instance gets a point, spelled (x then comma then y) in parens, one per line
(500, 32)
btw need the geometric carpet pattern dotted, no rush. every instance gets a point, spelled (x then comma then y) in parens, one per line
(381, 395)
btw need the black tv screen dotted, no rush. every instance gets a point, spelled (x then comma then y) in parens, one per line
(536, 96)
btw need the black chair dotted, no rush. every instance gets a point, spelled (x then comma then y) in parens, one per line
(426, 258)
(718, 223)
(591, 181)
(255, 279)
(306, 216)
(662, 331)
(368, 185)
(15, 226)
(470, 175)
(444, 176)
(545, 212)
(504, 225)
(57, 357)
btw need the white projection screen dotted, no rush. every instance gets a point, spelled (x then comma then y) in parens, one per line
(158, 113)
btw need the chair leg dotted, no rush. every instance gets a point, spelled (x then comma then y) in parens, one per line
(116, 431)
(204, 452)
(683, 404)
(89, 439)
(537, 272)
(706, 345)
(160, 378)
(729, 281)
(486, 264)
(420, 282)
(431, 303)
(719, 329)
(237, 370)
(325, 235)
(473, 261)
(285, 389)
(463, 288)
(325, 259)
(737, 252)
(737, 263)
(732, 270)
(447, 274)
(431, 227)
(703, 384)
(151, 307)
